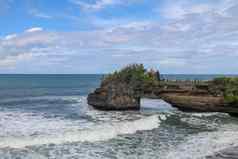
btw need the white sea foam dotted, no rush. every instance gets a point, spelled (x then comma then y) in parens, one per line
(205, 144)
(61, 131)
(155, 104)
(209, 114)
(19, 99)
(200, 122)
(30, 124)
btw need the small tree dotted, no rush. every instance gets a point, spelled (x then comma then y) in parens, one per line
(229, 87)
(135, 75)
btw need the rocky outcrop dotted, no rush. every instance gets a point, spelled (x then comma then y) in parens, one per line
(194, 102)
(121, 96)
(114, 96)
(198, 103)
(196, 98)
(122, 91)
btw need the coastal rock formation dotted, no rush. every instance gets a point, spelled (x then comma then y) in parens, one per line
(206, 96)
(122, 91)
(197, 97)
(193, 102)
(114, 96)
(199, 103)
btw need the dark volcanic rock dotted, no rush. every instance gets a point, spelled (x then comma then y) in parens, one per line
(114, 96)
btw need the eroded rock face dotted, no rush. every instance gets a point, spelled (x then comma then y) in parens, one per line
(195, 102)
(117, 95)
(122, 91)
(114, 96)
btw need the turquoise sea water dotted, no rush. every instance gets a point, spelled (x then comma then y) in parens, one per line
(47, 116)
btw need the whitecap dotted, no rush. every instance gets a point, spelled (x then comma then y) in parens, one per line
(205, 143)
(155, 104)
(92, 134)
(209, 114)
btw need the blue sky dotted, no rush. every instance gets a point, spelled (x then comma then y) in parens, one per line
(99, 36)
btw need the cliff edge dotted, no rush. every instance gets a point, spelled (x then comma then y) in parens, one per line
(123, 89)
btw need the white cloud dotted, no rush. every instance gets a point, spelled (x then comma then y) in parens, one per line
(34, 29)
(11, 36)
(38, 14)
(10, 61)
(28, 39)
(178, 9)
(14, 48)
(175, 62)
(199, 42)
(101, 4)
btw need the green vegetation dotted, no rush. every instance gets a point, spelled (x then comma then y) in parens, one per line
(135, 75)
(229, 87)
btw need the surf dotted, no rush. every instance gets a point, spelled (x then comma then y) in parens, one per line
(100, 132)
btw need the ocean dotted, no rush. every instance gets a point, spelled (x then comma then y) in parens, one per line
(47, 117)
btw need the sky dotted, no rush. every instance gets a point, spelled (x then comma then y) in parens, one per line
(99, 36)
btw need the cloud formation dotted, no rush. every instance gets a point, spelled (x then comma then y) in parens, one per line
(35, 29)
(173, 9)
(100, 4)
(197, 38)
(38, 14)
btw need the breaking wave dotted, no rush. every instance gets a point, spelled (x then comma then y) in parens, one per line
(205, 144)
(40, 131)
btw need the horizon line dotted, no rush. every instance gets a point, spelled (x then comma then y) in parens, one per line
(109, 73)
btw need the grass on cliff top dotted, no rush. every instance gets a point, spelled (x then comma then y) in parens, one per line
(229, 87)
(135, 75)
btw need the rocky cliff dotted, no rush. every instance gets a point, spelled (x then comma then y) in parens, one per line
(115, 96)
(122, 91)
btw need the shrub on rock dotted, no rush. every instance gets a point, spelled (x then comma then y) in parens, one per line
(229, 87)
(122, 89)
(134, 75)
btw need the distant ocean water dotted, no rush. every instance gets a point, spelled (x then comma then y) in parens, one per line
(194, 76)
(47, 116)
